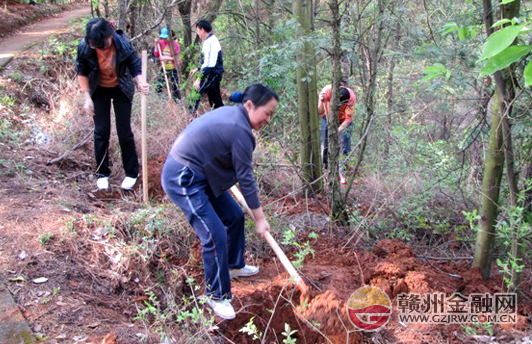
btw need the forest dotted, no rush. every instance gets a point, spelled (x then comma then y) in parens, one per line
(428, 211)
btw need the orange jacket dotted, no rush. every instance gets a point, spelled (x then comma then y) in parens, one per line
(346, 110)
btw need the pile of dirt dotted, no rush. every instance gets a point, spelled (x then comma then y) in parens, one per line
(334, 275)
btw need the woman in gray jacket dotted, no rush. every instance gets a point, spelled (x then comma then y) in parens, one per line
(208, 157)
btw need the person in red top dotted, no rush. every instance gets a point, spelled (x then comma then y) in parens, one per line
(163, 51)
(345, 116)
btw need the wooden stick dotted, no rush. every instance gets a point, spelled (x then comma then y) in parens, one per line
(301, 285)
(144, 129)
(164, 72)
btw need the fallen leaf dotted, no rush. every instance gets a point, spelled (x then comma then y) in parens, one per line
(40, 280)
(17, 279)
(22, 255)
(93, 325)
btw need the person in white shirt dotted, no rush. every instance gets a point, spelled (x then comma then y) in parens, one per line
(212, 67)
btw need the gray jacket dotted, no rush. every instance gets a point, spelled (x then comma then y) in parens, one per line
(220, 146)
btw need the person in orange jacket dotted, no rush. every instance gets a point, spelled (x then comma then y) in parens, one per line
(345, 116)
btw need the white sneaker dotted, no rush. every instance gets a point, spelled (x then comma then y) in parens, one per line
(102, 183)
(343, 181)
(221, 308)
(128, 183)
(246, 271)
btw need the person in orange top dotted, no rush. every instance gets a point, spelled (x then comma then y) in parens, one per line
(106, 65)
(345, 116)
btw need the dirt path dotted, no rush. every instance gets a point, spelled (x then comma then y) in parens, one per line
(35, 33)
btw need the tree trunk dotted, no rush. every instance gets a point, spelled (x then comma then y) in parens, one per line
(490, 193)
(106, 8)
(97, 8)
(373, 57)
(307, 99)
(339, 213)
(257, 33)
(510, 11)
(500, 145)
(389, 92)
(133, 12)
(528, 176)
(122, 14)
(184, 10)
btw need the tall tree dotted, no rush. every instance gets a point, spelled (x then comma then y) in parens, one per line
(371, 53)
(307, 97)
(389, 89)
(106, 8)
(122, 14)
(496, 152)
(184, 8)
(339, 212)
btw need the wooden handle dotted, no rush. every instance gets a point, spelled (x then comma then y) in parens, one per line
(301, 285)
(164, 72)
(286, 263)
(144, 129)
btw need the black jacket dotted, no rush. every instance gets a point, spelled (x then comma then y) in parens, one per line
(128, 64)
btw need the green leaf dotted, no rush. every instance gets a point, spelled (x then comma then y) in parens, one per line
(528, 74)
(504, 2)
(462, 33)
(436, 70)
(501, 22)
(505, 58)
(500, 40)
(448, 28)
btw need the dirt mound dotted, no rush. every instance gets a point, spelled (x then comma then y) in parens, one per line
(334, 275)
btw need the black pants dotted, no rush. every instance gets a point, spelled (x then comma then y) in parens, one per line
(102, 130)
(173, 79)
(211, 85)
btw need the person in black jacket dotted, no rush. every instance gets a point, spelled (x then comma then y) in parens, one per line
(106, 65)
(208, 157)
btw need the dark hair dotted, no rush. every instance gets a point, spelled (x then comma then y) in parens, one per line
(205, 25)
(259, 94)
(97, 31)
(344, 95)
(344, 80)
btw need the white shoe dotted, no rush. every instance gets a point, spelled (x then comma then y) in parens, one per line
(221, 308)
(102, 183)
(343, 181)
(128, 183)
(246, 271)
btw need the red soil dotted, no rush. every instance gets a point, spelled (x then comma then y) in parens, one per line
(392, 267)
